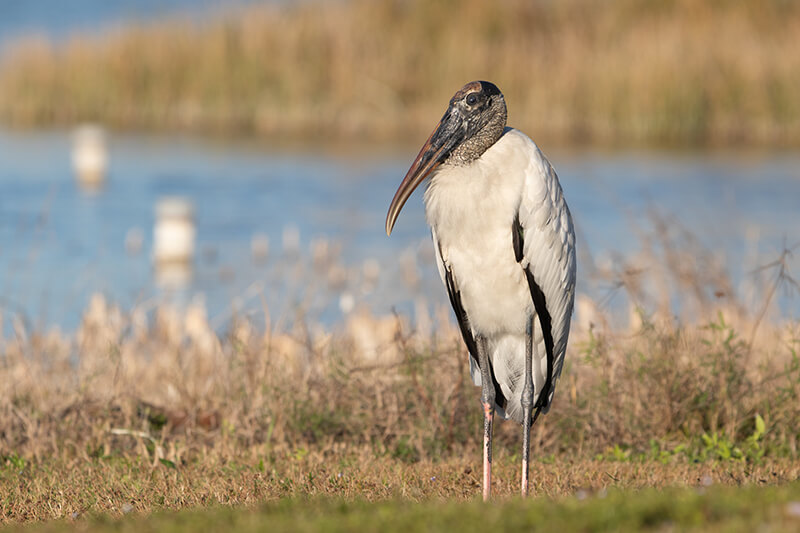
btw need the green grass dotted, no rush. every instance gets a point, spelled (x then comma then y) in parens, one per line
(686, 509)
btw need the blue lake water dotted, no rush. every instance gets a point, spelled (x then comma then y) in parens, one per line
(58, 20)
(59, 243)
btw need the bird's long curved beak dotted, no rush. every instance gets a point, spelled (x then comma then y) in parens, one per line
(436, 149)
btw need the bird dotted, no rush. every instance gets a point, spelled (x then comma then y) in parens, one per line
(505, 249)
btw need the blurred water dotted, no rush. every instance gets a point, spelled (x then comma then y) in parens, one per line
(57, 20)
(59, 244)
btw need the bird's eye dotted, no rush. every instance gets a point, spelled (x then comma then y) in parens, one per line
(472, 99)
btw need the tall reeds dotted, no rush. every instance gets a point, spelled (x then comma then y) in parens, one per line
(719, 378)
(678, 71)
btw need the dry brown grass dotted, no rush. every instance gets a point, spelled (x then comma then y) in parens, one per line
(174, 390)
(628, 70)
(70, 490)
(165, 385)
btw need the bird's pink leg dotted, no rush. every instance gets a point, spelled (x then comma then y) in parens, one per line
(526, 451)
(488, 416)
(487, 402)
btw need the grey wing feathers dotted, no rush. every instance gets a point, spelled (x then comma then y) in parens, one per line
(548, 255)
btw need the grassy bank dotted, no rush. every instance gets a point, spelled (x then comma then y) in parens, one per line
(173, 389)
(113, 487)
(693, 509)
(623, 71)
(153, 408)
(131, 413)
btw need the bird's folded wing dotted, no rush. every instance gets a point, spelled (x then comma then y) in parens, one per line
(548, 253)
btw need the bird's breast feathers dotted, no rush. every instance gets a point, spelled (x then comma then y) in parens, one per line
(472, 210)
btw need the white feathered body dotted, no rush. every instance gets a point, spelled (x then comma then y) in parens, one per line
(471, 209)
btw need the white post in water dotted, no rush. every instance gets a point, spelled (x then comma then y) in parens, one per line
(173, 239)
(89, 156)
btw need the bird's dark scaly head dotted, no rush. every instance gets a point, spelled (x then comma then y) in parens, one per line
(474, 121)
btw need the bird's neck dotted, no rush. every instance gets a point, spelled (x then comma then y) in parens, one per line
(474, 147)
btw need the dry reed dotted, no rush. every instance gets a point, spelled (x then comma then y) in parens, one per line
(167, 386)
(624, 71)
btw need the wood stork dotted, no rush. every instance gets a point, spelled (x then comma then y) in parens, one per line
(505, 249)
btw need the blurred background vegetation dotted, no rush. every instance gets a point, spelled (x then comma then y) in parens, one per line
(626, 71)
